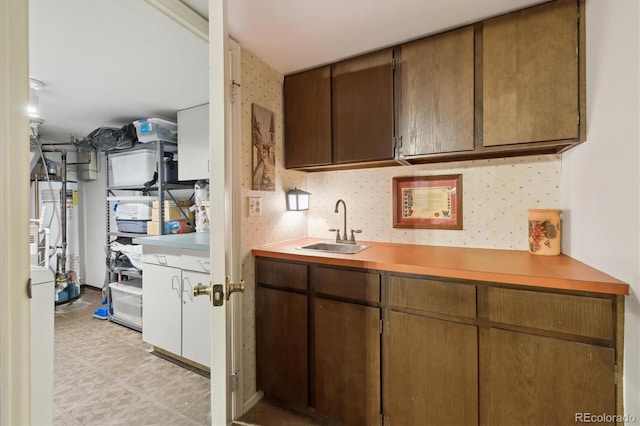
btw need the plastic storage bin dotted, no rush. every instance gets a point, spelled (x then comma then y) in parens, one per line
(126, 301)
(133, 167)
(156, 129)
(132, 226)
(131, 208)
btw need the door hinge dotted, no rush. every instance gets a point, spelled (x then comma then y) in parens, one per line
(393, 63)
(381, 420)
(397, 145)
(381, 326)
(234, 381)
(233, 90)
(615, 373)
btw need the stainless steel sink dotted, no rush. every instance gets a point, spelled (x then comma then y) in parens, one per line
(335, 248)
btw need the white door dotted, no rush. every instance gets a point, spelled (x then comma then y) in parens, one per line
(15, 363)
(221, 182)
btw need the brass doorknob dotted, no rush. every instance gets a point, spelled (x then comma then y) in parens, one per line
(201, 290)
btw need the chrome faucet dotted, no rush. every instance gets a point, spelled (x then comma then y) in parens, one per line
(344, 239)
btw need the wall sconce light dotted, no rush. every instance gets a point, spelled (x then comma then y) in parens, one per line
(297, 200)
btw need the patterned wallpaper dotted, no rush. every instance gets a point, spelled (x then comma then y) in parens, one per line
(262, 85)
(496, 196)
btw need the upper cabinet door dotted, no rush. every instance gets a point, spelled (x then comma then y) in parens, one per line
(307, 112)
(530, 72)
(363, 108)
(436, 94)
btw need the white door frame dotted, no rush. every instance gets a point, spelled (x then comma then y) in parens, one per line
(233, 190)
(15, 322)
(222, 253)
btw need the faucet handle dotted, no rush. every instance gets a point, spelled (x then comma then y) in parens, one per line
(355, 231)
(337, 231)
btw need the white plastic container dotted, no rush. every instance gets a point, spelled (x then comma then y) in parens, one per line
(132, 167)
(156, 129)
(126, 300)
(131, 208)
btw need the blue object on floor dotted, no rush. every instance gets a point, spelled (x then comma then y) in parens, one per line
(101, 312)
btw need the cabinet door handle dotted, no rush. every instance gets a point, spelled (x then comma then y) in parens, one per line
(187, 288)
(178, 289)
(205, 264)
(161, 259)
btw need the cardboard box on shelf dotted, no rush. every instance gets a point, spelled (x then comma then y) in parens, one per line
(172, 213)
(171, 203)
(171, 227)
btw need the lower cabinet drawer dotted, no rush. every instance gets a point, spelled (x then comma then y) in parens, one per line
(195, 260)
(360, 285)
(281, 274)
(564, 313)
(439, 297)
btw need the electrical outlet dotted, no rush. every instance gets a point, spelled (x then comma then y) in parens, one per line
(255, 206)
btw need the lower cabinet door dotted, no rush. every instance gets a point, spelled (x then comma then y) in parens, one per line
(162, 307)
(196, 320)
(432, 371)
(543, 380)
(346, 362)
(281, 345)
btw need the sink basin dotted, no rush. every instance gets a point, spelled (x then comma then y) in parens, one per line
(335, 248)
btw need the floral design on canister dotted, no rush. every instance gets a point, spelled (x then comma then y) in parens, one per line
(544, 231)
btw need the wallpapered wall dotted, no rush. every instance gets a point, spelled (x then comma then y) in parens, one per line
(496, 196)
(262, 85)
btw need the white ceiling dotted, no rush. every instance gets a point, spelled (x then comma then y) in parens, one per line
(107, 63)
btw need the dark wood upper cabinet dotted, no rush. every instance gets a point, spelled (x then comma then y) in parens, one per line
(436, 94)
(307, 115)
(363, 107)
(530, 75)
(507, 86)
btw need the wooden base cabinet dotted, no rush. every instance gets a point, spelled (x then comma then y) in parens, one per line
(361, 346)
(431, 353)
(346, 361)
(281, 344)
(534, 379)
(433, 371)
(282, 331)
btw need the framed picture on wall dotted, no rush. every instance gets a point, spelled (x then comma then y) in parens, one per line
(264, 149)
(429, 202)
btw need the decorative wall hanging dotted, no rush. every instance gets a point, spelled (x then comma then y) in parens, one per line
(430, 202)
(264, 149)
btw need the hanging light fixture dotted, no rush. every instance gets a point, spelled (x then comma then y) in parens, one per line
(297, 200)
(33, 107)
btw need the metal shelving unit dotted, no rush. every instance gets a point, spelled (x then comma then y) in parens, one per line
(161, 191)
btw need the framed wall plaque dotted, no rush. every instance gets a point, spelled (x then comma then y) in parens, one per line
(429, 202)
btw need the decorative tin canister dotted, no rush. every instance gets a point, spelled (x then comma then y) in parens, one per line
(544, 231)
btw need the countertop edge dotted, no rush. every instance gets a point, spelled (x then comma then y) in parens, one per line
(190, 241)
(610, 286)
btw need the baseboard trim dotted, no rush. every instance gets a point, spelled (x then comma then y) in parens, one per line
(253, 400)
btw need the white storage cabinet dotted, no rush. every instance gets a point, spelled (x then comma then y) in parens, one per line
(193, 143)
(174, 320)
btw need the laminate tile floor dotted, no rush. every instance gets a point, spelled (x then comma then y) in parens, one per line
(104, 374)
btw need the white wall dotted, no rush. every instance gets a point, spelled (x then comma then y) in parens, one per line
(600, 178)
